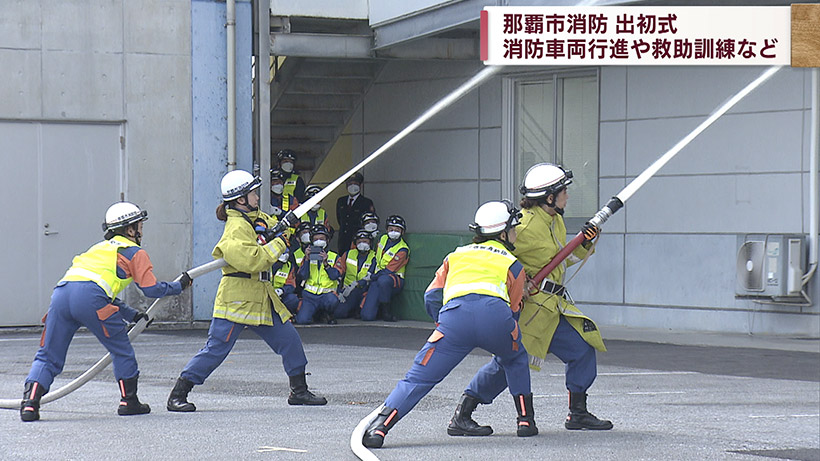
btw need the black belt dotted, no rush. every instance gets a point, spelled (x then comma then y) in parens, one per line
(554, 288)
(263, 276)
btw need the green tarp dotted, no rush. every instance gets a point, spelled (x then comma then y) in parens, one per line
(427, 251)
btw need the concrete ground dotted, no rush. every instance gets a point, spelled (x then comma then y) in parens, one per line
(670, 395)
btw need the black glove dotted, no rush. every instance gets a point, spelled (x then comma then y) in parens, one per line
(590, 231)
(185, 280)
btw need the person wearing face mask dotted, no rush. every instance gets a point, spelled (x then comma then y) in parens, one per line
(284, 281)
(294, 184)
(392, 255)
(87, 296)
(550, 322)
(359, 266)
(349, 211)
(474, 298)
(321, 277)
(245, 297)
(281, 200)
(317, 214)
(370, 223)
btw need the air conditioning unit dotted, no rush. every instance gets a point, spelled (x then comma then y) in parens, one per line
(770, 265)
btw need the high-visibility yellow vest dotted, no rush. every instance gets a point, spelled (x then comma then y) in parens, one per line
(281, 275)
(290, 185)
(479, 268)
(352, 272)
(99, 265)
(384, 257)
(319, 282)
(320, 217)
(299, 256)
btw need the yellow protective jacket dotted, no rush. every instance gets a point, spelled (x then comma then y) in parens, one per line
(540, 237)
(243, 300)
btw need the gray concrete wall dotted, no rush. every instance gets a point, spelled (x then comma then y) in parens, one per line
(668, 259)
(114, 61)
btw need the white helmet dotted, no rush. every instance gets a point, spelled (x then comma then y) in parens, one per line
(493, 218)
(543, 179)
(122, 214)
(238, 183)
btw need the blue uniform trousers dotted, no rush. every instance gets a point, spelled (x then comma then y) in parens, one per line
(351, 304)
(477, 321)
(281, 337)
(76, 304)
(382, 289)
(291, 301)
(567, 344)
(313, 304)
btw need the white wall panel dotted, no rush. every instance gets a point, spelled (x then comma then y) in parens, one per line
(612, 150)
(757, 142)
(613, 93)
(20, 24)
(680, 270)
(428, 207)
(425, 156)
(390, 107)
(83, 25)
(20, 92)
(490, 153)
(82, 85)
(686, 91)
(159, 26)
(602, 277)
(765, 203)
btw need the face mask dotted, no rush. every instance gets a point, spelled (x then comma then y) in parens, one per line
(353, 189)
(277, 188)
(283, 258)
(305, 238)
(393, 235)
(287, 167)
(363, 246)
(316, 207)
(320, 243)
(371, 226)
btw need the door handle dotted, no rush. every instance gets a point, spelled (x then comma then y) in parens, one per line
(47, 232)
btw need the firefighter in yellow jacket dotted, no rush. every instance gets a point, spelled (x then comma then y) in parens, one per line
(549, 320)
(245, 297)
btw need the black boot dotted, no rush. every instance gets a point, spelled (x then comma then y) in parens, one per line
(30, 407)
(526, 415)
(377, 430)
(299, 393)
(129, 403)
(386, 314)
(580, 418)
(462, 422)
(178, 400)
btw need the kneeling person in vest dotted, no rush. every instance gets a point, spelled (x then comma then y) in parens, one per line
(317, 214)
(392, 255)
(321, 279)
(475, 297)
(359, 266)
(284, 281)
(281, 200)
(87, 296)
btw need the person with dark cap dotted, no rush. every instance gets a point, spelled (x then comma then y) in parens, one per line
(281, 200)
(321, 278)
(294, 184)
(349, 211)
(392, 256)
(359, 265)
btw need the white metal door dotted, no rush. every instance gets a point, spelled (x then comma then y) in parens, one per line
(71, 174)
